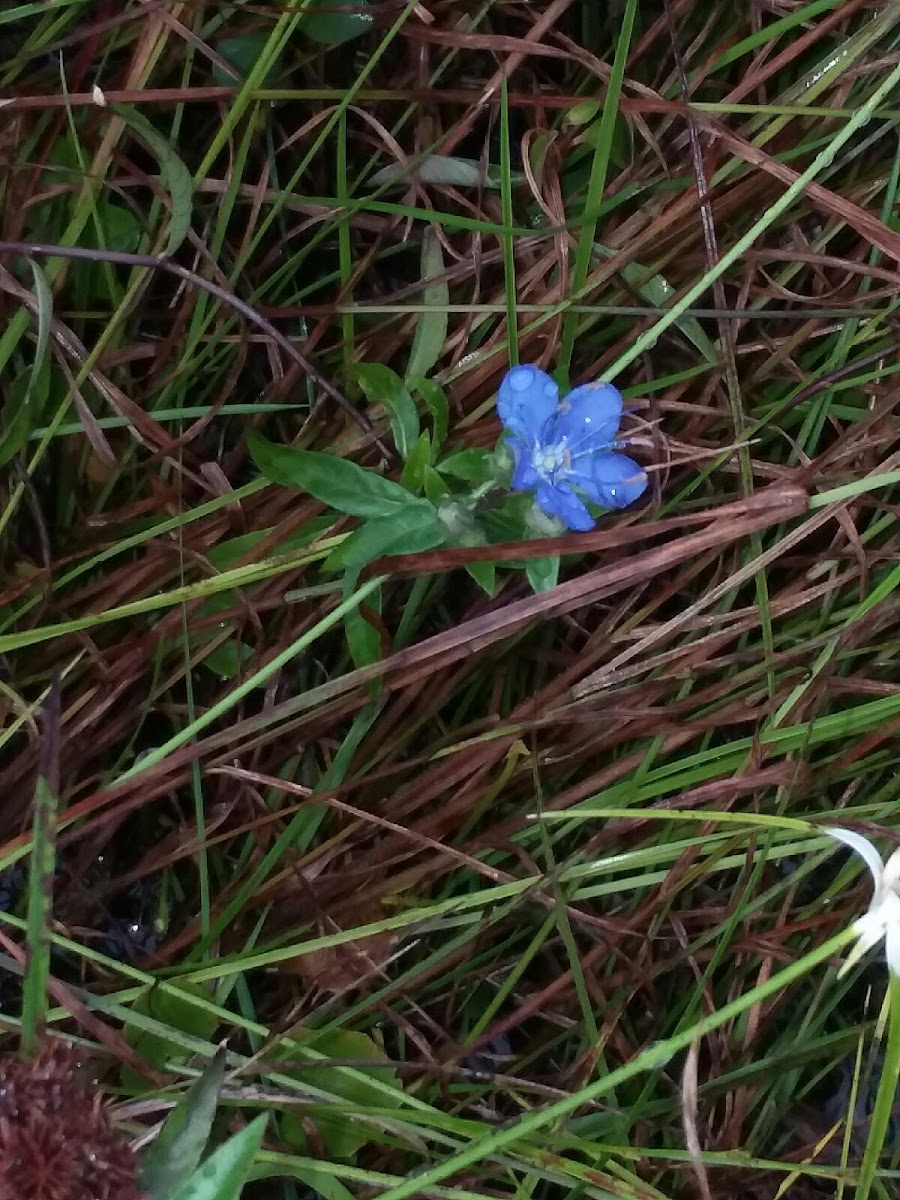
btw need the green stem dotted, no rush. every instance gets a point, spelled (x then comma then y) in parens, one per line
(887, 1093)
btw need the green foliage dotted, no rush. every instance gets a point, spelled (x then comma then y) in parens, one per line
(242, 54)
(431, 326)
(383, 386)
(435, 399)
(24, 408)
(417, 463)
(42, 867)
(169, 1011)
(473, 466)
(334, 481)
(330, 26)
(175, 1155)
(604, 819)
(174, 175)
(414, 527)
(223, 1175)
(341, 1131)
(542, 573)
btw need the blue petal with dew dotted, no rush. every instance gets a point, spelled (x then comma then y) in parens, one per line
(589, 418)
(561, 449)
(526, 401)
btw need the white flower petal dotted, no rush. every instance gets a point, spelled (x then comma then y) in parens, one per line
(863, 848)
(890, 877)
(892, 948)
(870, 929)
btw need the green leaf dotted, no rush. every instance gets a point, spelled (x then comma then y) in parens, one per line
(431, 327)
(177, 1013)
(435, 488)
(413, 474)
(330, 26)
(363, 639)
(484, 574)
(173, 173)
(44, 297)
(175, 1154)
(40, 880)
(223, 1175)
(474, 466)
(657, 292)
(325, 1185)
(243, 53)
(227, 660)
(542, 573)
(582, 113)
(228, 553)
(342, 1136)
(116, 228)
(435, 399)
(384, 386)
(26, 401)
(332, 480)
(411, 529)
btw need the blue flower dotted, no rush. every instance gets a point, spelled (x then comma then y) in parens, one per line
(565, 450)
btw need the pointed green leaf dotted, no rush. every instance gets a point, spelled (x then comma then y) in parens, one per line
(431, 327)
(174, 174)
(174, 1156)
(243, 53)
(411, 529)
(542, 573)
(484, 574)
(330, 26)
(342, 1134)
(384, 386)
(223, 1175)
(657, 292)
(26, 400)
(413, 474)
(437, 404)
(363, 639)
(474, 466)
(332, 480)
(435, 488)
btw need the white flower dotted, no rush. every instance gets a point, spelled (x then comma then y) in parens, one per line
(883, 917)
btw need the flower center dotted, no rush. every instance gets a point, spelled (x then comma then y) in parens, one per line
(547, 460)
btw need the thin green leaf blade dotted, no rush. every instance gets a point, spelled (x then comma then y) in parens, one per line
(40, 880)
(174, 174)
(431, 327)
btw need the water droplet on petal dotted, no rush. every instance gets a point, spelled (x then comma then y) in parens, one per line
(520, 379)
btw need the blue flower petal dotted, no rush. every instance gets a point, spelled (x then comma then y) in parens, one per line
(588, 418)
(559, 500)
(526, 401)
(615, 480)
(524, 476)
